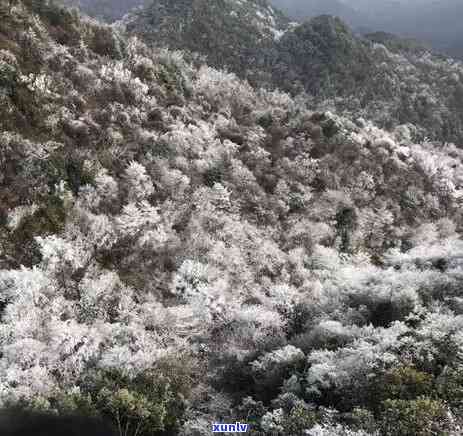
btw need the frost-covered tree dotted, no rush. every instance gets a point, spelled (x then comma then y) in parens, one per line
(180, 247)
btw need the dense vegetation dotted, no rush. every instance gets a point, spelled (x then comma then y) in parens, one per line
(354, 76)
(436, 22)
(178, 247)
(105, 10)
(301, 10)
(231, 34)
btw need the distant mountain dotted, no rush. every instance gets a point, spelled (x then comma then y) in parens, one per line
(325, 56)
(303, 9)
(106, 10)
(238, 35)
(436, 22)
(390, 80)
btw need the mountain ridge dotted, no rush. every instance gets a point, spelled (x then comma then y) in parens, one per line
(225, 30)
(321, 57)
(436, 23)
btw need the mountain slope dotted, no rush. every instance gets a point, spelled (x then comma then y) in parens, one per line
(178, 248)
(234, 34)
(301, 10)
(326, 56)
(436, 22)
(323, 57)
(106, 10)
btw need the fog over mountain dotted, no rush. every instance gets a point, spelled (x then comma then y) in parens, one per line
(436, 22)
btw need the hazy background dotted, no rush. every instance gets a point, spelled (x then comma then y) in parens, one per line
(438, 22)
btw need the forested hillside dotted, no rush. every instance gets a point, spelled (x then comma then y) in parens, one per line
(339, 71)
(438, 22)
(302, 10)
(178, 247)
(238, 35)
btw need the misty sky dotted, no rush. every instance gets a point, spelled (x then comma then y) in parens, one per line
(437, 22)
